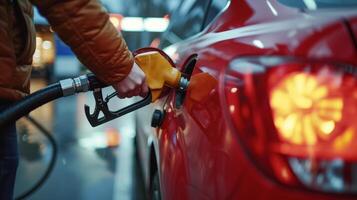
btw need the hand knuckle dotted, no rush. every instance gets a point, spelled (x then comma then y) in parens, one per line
(137, 82)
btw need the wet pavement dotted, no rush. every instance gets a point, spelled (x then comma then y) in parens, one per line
(92, 163)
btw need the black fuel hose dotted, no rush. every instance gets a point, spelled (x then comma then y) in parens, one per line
(52, 92)
(51, 165)
(30, 103)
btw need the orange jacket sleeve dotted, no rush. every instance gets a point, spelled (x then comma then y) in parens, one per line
(85, 27)
(7, 57)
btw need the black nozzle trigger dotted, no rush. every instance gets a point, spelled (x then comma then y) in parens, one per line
(101, 105)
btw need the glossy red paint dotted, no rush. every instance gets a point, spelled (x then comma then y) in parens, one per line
(197, 152)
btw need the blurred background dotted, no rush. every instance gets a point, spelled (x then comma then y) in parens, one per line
(92, 163)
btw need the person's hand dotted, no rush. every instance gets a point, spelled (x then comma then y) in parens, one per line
(132, 85)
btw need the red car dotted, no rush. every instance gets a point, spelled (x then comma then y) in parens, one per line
(271, 112)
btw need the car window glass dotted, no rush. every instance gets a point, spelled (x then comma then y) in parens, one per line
(215, 8)
(186, 21)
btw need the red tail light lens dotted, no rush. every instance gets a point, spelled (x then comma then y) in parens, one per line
(297, 120)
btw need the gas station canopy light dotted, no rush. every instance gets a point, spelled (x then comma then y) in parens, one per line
(152, 24)
(140, 24)
(132, 24)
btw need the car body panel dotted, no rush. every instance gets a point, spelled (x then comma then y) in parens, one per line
(198, 153)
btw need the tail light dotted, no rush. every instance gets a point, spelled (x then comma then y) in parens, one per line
(297, 120)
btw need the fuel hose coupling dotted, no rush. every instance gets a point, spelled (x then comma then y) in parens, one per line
(72, 86)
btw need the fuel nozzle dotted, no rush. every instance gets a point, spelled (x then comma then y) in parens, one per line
(160, 72)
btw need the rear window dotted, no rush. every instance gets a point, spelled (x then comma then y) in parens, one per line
(186, 21)
(319, 4)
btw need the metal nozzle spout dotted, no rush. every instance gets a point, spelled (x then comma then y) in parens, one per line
(183, 85)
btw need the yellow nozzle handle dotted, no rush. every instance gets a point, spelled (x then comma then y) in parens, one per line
(159, 72)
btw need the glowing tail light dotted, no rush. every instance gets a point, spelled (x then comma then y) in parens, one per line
(296, 119)
(303, 109)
